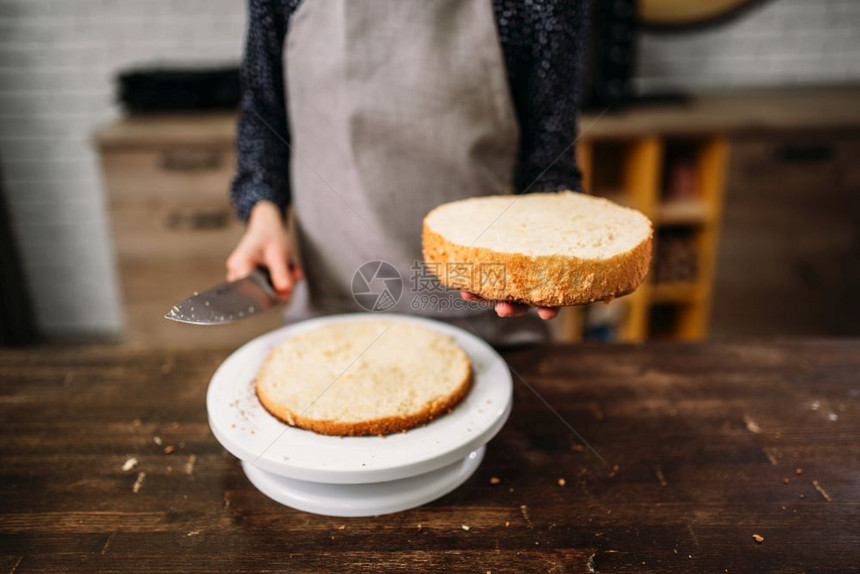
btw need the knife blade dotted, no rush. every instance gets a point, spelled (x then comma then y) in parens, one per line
(227, 302)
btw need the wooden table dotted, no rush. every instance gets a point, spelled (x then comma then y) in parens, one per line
(705, 446)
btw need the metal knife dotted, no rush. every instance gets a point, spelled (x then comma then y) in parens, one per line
(228, 302)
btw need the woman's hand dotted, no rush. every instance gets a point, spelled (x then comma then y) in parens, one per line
(508, 309)
(266, 243)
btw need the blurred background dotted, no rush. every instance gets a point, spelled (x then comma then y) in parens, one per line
(734, 125)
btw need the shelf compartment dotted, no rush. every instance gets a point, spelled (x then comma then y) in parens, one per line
(682, 212)
(675, 292)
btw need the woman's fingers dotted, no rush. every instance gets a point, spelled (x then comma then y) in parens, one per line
(284, 275)
(239, 264)
(506, 309)
(276, 261)
(547, 313)
(296, 272)
(511, 309)
(265, 242)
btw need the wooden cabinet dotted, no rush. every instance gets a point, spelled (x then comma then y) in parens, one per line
(172, 224)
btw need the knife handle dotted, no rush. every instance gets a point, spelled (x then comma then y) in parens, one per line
(263, 278)
(264, 271)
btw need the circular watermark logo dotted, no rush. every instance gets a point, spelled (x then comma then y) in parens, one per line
(377, 286)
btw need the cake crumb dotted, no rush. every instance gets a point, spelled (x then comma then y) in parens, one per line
(524, 511)
(135, 488)
(821, 490)
(157, 440)
(466, 528)
(130, 464)
(495, 480)
(189, 466)
(798, 471)
(342, 527)
(758, 538)
(751, 425)
(507, 523)
(561, 482)
(785, 480)
(168, 449)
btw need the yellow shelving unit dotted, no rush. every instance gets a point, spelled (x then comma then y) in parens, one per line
(632, 171)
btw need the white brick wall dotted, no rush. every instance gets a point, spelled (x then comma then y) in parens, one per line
(57, 61)
(57, 58)
(779, 42)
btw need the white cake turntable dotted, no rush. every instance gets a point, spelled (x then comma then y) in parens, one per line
(357, 476)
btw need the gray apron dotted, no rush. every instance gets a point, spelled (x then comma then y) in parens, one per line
(394, 107)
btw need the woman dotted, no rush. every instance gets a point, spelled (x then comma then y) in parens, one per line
(362, 115)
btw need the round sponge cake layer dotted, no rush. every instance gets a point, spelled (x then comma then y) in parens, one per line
(363, 378)
(546, 249)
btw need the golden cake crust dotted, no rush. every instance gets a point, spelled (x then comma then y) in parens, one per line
(543, 280)
(380, 426)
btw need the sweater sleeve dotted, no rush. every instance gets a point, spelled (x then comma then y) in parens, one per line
(543, 43)
(262, 170)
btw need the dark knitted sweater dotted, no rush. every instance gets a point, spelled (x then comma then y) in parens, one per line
(542, 42)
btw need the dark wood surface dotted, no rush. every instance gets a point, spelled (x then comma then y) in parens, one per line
(705, 445)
